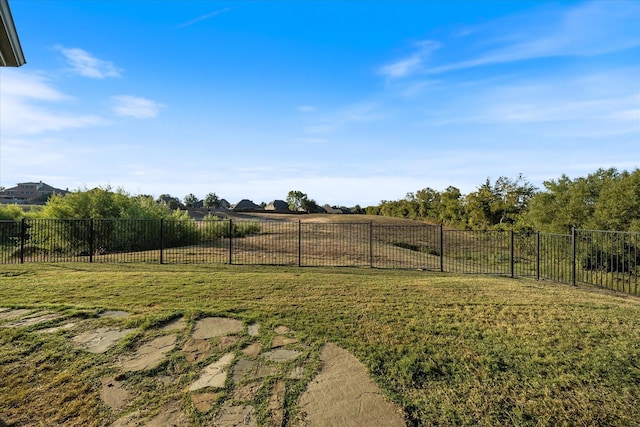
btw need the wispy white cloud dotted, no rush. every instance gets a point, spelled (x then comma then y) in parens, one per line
(202, 17)
(413, 63)
(306, 108)
(589, 29)
(136, 107)
(87, 65)
(26, 105)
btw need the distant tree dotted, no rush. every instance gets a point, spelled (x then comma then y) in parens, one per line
(211, 201)
(171, 202)
(618, 204)
(357, 209)
(191, 201)
(295, 200)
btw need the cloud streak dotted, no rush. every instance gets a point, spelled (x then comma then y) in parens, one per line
(87, 65)
(590, 29)
(203, 17)
(136, 107)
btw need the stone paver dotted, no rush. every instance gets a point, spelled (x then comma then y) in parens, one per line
(30, 321)
(13, 314)
(114, 395)
(236, 416)
(215, 374)
(253, 329)
(204, 402)
(114, 314)
(281, 355)
(342, 394)
(212, 327)
(100, 340)
(150, 355)
(281, 341)
(64, 327)
(174, 325)
(196, 349)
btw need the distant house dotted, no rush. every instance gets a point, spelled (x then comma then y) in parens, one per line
(278, 206)
(333, 210)
(224, 204)
(29, 192)
(246, 205)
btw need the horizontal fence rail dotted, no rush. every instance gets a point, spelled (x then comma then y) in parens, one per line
(605, 259)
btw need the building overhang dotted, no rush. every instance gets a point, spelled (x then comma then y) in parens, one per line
(11, 54)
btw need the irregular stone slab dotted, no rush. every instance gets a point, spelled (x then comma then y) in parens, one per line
(283, 330)
(342, 394)
(114, 314)
(64, 327)
(12, 314)
(251, 369)
(30, 321)
(212, 327)
(281, 355)
(276, 403)
(214, 375)
(150, 355)
(297, 373)
(172, 415)
(252, 350)
(134, 419)
(227, 341)
(114, 395)
(204, 402)
(236, 416)
(253, 329)
(175, 325)
(4, 309)
(281, 341)
(196, 349)
(246, 393)
(100, 340)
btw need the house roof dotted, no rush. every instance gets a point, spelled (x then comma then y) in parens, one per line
(246, 205)
(278, 205)
(11, 54)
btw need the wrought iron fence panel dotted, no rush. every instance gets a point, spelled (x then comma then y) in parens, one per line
(402, 246)
(606, 259)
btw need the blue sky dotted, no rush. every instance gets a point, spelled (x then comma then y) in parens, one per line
(350, 102)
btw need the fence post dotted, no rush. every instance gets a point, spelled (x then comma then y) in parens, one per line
(23, 235)
(230, 241)
(161, 240)
(441, 248)
(299, 243)
(370, 244)
(512, 253)
(573, 256)
(537, 255)
(91, 238)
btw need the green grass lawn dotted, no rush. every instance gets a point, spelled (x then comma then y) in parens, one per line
(449, 349)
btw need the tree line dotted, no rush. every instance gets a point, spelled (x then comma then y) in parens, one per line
(607, 199)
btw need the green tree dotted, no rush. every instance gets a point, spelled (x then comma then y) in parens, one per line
(299, 201)
(211, 200)
(191, 201)
(171, 202)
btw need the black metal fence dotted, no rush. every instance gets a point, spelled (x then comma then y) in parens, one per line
(600, 258)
